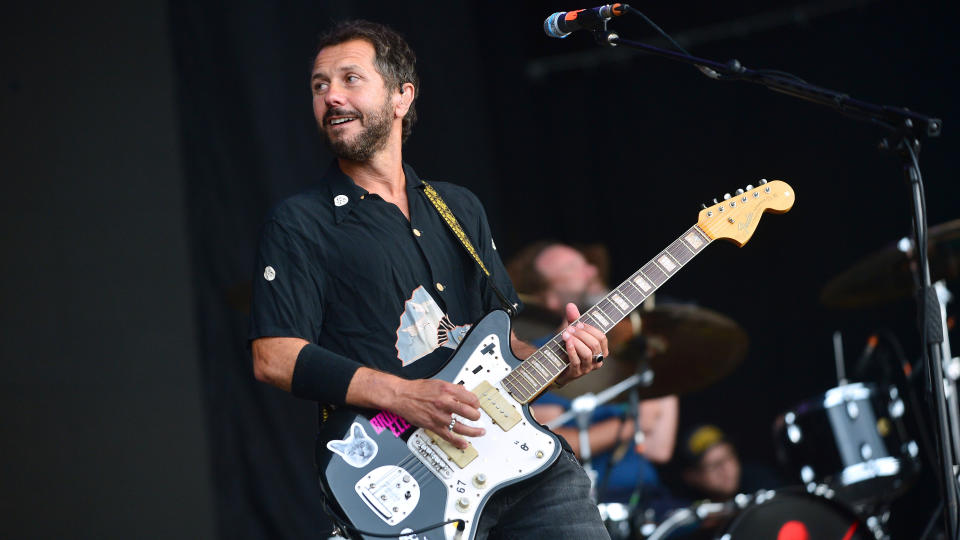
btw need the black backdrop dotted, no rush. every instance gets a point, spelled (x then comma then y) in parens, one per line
(562, 140)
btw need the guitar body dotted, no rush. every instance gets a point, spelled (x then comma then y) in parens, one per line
(387, 477)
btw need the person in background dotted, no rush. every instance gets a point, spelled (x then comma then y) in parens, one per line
(711, 467)
(549, 275)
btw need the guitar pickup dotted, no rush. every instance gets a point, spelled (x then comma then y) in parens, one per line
(496, 406)
(461, 458)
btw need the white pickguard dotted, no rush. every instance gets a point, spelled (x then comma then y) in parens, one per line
(503, 456)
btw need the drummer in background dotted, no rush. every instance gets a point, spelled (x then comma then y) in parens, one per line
(711, 468)
(548, 276)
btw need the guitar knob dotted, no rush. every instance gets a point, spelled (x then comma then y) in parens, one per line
(463, 503)
(739, 192)
(726, 196)
(479, 480)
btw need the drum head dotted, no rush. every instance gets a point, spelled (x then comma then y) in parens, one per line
(793, 515)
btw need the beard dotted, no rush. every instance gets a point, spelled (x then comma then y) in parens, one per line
(584, 300)
(369, 141)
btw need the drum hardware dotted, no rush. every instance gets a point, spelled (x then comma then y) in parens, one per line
(616, 518)
(951, 365)
(767, 514)
(701, 512)
(582, 409)
(838, 358)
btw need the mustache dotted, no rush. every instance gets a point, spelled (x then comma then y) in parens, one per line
(340, 112)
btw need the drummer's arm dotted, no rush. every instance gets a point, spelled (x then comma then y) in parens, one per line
(603, 435)
(658, 420)
(521, 349)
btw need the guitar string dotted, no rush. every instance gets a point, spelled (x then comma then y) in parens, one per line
(417, 469)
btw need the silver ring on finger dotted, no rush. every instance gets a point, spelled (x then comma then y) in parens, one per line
(453, 422)
(598, 358)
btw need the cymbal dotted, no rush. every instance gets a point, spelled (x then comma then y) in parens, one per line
(886, 275)
(687, 347)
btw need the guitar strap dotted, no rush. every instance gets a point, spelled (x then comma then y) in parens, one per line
(457, 231)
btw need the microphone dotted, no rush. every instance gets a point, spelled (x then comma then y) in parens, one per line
(560, 24)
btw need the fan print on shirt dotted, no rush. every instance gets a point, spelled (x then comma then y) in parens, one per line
(424, 327)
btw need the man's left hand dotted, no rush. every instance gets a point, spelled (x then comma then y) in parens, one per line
(583, 343)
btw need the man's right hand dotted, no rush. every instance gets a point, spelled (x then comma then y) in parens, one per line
(425, 403)
(431, 404)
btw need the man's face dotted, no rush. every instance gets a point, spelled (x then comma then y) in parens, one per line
(354, 110)
(569, 276)
(718, 473)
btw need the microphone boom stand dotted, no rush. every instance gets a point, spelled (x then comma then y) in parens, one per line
(904, 127)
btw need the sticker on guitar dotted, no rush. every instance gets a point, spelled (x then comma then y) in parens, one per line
(358, 449)
(387, 420)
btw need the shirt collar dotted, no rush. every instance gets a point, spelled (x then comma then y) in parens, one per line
(345, 193)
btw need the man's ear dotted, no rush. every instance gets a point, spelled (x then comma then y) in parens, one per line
(405, 99)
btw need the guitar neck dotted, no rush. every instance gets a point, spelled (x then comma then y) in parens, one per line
(537, 372)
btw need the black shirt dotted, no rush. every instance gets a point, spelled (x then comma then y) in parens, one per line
(342, 268)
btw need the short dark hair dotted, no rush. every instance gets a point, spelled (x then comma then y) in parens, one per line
(523, 271)
(393, 58)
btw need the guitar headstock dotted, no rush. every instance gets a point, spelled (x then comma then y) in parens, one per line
(736, 217)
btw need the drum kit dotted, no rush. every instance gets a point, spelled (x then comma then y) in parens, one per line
(848, 452)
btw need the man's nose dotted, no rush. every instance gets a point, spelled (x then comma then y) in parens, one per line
(335, 96)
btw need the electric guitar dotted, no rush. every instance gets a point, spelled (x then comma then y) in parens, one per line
(381, 475)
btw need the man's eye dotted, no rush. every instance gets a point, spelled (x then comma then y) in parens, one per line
(352, 78)
(320, 87)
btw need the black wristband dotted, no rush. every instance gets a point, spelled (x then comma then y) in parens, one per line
(322, 375)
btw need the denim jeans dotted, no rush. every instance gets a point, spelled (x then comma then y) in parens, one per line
(554, 504)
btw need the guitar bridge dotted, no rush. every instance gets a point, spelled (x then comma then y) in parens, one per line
(390, 491)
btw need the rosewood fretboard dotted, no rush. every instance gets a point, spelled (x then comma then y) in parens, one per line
(538, 371)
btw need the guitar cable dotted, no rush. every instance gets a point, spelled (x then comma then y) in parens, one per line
(350, 529)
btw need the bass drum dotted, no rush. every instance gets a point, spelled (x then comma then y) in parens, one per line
(796, 515)
(786, 514)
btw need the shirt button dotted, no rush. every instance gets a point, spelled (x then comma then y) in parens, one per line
(416, 232)
(440, 286)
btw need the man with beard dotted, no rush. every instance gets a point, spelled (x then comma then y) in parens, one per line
(551, 275)
(361, 290)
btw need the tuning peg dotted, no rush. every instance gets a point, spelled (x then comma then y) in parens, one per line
(726, 196)
(739, 192)
(749, 187)
(715, 201)
(763, 181)
(703, 206)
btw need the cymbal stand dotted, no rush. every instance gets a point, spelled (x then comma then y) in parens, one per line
(951, 366)
(582, 409)
(838, 358)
